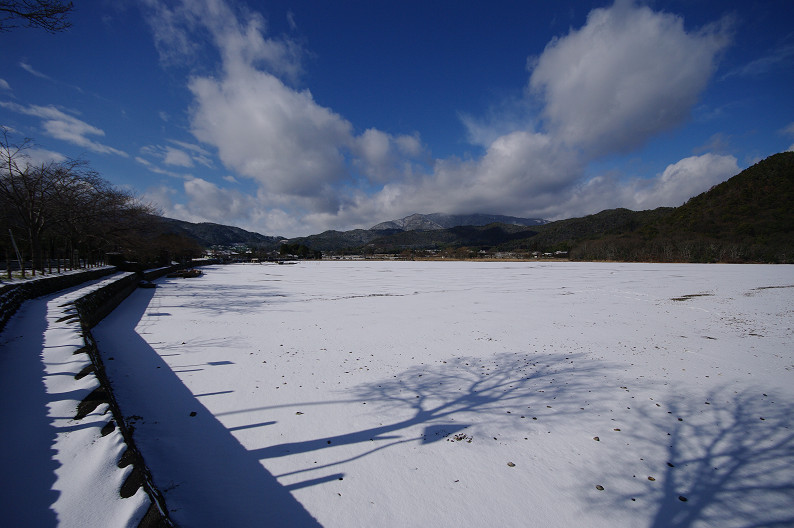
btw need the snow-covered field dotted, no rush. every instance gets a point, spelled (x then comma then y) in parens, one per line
(348, 394)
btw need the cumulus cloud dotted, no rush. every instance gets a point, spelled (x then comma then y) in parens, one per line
(384, 157)
(627, 75)
(65, 127)
(206, 202)
(670, 188)
(269, 132)
(685, 179)
(239, 37)
(210, 201)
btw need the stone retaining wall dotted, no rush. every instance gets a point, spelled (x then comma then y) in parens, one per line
(13, 295)
(91, 309)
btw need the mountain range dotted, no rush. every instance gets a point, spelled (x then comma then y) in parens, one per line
(748, 218)
(425, 222)
(208, 234)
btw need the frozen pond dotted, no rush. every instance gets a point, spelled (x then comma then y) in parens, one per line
(348, 394)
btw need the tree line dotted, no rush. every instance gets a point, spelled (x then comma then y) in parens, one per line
(63, 213)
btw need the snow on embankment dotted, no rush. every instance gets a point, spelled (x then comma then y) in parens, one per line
(70, 461)
(12, 295)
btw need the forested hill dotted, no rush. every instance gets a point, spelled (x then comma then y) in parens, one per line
(207, 234)
(756, 203)
(749, 218)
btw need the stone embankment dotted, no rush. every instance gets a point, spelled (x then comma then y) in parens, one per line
(85, 312)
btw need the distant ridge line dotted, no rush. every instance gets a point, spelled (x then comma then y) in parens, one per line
(433, 221)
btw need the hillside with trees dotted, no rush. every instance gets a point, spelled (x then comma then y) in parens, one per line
(749, 218)
(207, 234)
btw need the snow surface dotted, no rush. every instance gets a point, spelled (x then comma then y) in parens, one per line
(57, 471)
(346, 394)
(349, 394)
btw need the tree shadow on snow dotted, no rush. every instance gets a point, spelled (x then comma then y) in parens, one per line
(225, 298)
(501, 393)
(730, 462)
(208, 477)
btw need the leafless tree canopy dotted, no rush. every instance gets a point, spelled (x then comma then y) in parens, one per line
(49, 15)
(57, 209)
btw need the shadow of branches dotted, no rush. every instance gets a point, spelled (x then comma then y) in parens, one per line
(225, 298)
(729, 462)
(506, 392)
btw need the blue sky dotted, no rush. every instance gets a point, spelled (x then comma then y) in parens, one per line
(290, 118)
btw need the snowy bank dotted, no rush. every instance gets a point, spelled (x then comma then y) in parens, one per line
(14, 293)
(484, 394)
(67, 462)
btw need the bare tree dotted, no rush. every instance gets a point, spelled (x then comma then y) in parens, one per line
(49, 15)
(27, 193)
(66, 205)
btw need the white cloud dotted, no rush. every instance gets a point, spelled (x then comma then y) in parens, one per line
(238, 36)
(203, 201)
(4, 85)
(683, 180)
(39, 156)
(627, 75)
(177, 157)
(159, 170)
(210, 201)
(161, 197)
(519, 173)
(31, 70)
(171, 28)
(197, 154)
(383, 157)
(671, 188)
(65, 127)
(187, 156)
(265, 130)
(268, 132)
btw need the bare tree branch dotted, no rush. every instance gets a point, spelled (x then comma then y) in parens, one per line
(49, 15)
